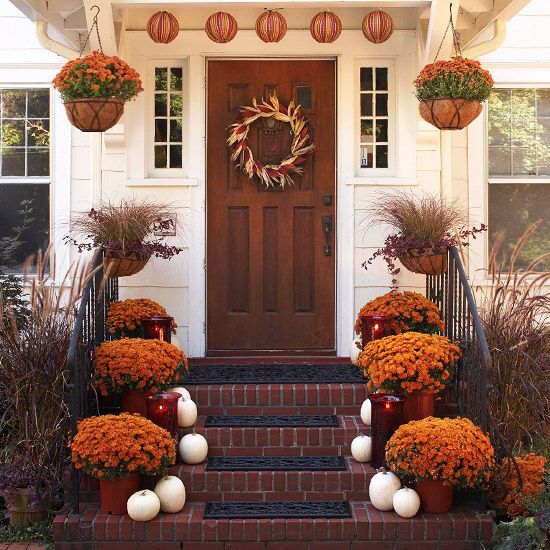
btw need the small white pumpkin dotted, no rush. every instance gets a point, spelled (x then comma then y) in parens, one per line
(181, 390)
(383, 486)
(366, 412)
(193, 449)
(354, 351)
(406, 502)
(143, 505)
(170, 491)
(361, 448)
(187, 413)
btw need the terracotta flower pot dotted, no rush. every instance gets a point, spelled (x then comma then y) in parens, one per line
(120, 263)
(94, 114)
(418, 405)
(135, 401)
(449, 114)
(116, 492)
(429, 261)
(435, 498)
(24, 507)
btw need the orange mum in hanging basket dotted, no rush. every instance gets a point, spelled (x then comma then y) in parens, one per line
(114, 446)
(124, 317)
(511, 497)
(408, 362)
(411, 311)
(137, 364)
(452, 450)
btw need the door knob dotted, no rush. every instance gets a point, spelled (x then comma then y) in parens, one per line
(327, 224)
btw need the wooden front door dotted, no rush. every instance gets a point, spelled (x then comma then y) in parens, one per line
(271, 253)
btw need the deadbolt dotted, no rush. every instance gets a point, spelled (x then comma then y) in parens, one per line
(327, 200)
(327, 224)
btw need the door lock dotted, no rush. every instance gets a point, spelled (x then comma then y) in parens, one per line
(327, 250)
(327, 224)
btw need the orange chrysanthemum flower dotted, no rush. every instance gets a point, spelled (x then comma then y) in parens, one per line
(409, 361)
(124, 317)
(137, 364)
(112, 446)
(410, 310)
(452, 450)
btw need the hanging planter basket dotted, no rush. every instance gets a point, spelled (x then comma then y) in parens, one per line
(428, 261)
(94, 114)
(121, 263)
(449, 114)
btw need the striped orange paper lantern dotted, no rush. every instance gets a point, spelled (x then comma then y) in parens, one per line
(325, 27)
(221, 27)
(377, 26)
(163, 27)
(271, 26)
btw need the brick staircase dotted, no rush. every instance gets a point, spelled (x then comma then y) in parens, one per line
(367, 528)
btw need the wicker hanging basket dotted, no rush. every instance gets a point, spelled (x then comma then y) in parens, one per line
(95, 114)
(120, 263)
(449, 114)
(429, 261)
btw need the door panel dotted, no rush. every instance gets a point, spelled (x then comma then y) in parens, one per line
(270, 275)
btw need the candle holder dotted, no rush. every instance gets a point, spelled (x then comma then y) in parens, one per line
(387, 414)
(374, 327)
(162, 409)
(159, 327)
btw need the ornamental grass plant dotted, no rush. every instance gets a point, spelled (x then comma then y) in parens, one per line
(452, 450)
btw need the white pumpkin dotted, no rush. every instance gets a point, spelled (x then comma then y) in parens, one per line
(366, 412)
(193, 449)
(170, 491)
(184, 393)
(187, 413)
(406, 502)
(361, 448)
(143, 506)
(354, 352)
(382, 487)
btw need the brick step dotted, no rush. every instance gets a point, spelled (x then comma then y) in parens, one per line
(367, 529)
(287, 399)
(292, 441)
(208, 485)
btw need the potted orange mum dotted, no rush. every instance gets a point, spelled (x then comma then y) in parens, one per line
(117, 450)
(417, 364)
(439, 454)
(137, 368)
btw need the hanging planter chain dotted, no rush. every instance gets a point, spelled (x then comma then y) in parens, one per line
(456, 38)
(94, 24)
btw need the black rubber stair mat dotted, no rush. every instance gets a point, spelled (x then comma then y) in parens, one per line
(272, 421)
(273, 374)
(275, 463)
(286, 509)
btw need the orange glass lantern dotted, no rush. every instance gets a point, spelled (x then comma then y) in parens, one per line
(386, 417)
(374, 327)
(159, 327)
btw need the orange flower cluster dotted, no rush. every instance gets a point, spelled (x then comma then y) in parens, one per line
(452, 450)
(408, 362)
(97, 75)
(124, 317)
(532, 468)
(112, 446)
(137, 364)
(411, 311)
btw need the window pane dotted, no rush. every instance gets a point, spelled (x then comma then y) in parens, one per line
(160, 78)
(175, 78)
(524, 161)
(176, 102)
(381, 156)
(366, 156)
(366, 79)
(381, 104)
(543, 103)
(500, 161)
(303, 96)
(38, 162)
(160, 104)
(38, 133)
(39, 104)
(13, 161)
(175, 156)
(367, 134)
(381, 78)
(500, 125)
(13, 133)
(11, 196)
(160, 130)
(366, 104)
(512, 209)
(161, 158)
(175, 130)
(13, 103)
(381, 130)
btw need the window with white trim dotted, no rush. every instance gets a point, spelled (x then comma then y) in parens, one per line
(519, 171)
(376, 143)
(25, 166)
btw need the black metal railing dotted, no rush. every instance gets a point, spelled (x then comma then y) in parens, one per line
(88, 332)
(453, 294)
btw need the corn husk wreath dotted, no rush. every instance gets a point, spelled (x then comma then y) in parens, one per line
(271, 175)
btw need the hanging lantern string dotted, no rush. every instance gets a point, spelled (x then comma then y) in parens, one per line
(456, 39)
(94, 24)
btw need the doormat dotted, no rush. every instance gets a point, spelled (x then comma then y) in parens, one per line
(275, 421)
(275, 463)
(285, 509)
(273, 374)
